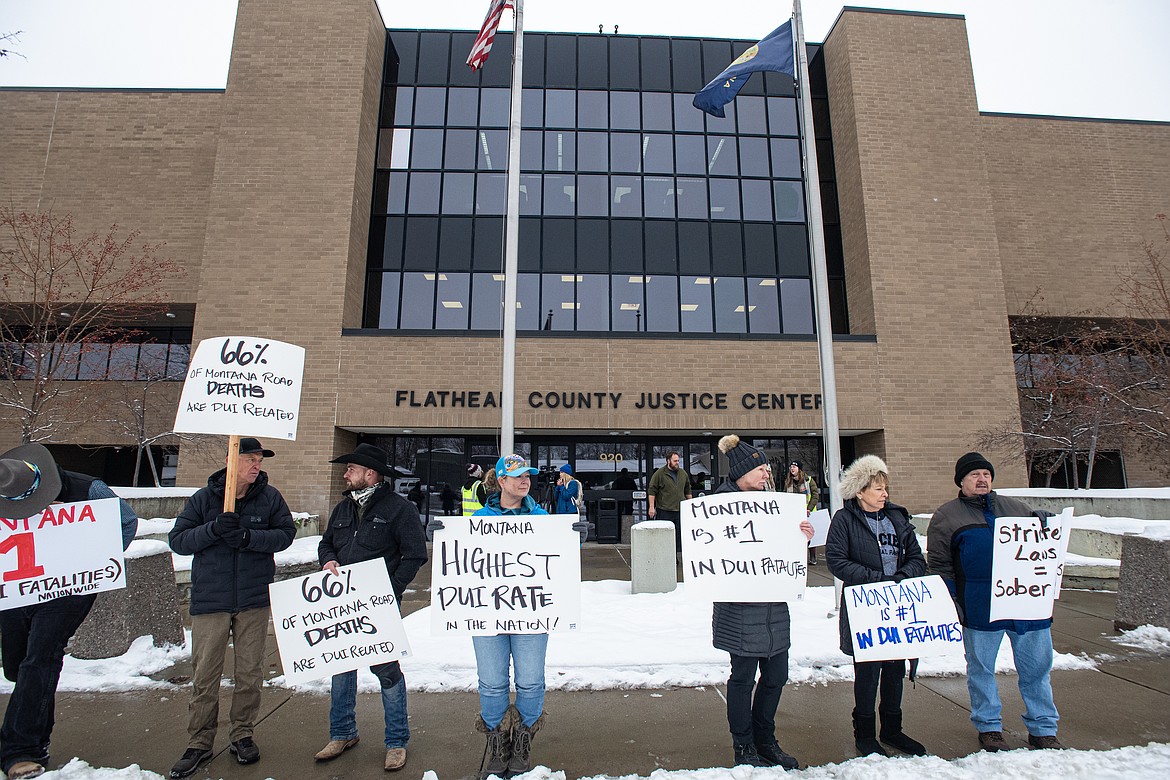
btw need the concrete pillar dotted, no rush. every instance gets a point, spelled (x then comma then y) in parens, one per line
(1143, 592)
(652, 557)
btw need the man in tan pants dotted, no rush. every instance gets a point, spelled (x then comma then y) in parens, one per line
(232, 568)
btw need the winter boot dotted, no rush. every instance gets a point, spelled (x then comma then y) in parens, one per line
(770, 750)
(892, 735)
(498, 750)
(746, 755)
(522, 736)
(865, 736)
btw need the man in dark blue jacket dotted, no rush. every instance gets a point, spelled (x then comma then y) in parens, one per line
(371, 521)
(959, 549)
(232, 568)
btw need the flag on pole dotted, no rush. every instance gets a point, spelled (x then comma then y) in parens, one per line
(773, 53)
(487, 34)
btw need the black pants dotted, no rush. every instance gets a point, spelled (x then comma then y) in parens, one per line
(675, 517)
(751, 705)
(34, 639)
(869, 677)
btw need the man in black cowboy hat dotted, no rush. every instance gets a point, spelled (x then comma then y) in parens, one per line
(371, 521)
(232, 568)
(34, 636)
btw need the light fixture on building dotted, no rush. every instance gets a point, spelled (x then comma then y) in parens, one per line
(170, 315)
(408, 430)
(811, 433)
(614, 433)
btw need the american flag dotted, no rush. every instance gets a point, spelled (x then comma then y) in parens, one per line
(487, 34)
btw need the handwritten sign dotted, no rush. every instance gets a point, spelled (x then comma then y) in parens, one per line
(1027, 557)
(512, 574)
(242, 385)
(65, 550)
(914, 618)
(1066, 517)
(745, 546)
(328, 624)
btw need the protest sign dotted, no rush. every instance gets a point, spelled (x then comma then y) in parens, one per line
(65, 550)
(1066, 517)
(914, 618)
(242, 385)
(328, 624)
(509, 574)
(745, 546)
(1026, 556)
(820, 522)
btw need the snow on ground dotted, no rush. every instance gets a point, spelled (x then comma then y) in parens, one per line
(1128, 763)
(127, 672)
(1153, 638)
(665, 642)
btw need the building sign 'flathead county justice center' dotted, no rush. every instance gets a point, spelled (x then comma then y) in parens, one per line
(597, 399)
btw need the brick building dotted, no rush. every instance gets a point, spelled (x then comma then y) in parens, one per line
(344, 193)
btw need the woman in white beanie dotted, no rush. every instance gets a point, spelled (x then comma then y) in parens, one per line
(872, 540)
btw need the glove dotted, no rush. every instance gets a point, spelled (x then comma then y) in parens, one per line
(236, 537)
(224, 522)
(582, 528)
(435, 524)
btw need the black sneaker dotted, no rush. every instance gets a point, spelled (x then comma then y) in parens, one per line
(775, 755)
(190, 761)
(245, 751)
(1045, 743)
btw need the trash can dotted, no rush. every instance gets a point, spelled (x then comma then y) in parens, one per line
(609, 521)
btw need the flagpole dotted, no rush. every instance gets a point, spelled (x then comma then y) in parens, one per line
(512, 241)
(820, 274)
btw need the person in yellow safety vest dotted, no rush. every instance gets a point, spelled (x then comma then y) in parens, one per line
(474, 493)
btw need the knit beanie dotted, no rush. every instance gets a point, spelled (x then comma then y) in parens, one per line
(970, 462)
(741, 457)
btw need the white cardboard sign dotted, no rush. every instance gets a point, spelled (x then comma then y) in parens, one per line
(745, 546)
(820, 520)
(67, 549)
(242, 385)
(328, 624)
(914, 618)
(1066, 517)
(511, 574)
(1026, 561)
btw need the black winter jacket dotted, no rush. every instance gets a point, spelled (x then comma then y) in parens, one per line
(853, 556)
(224, 579)
(756, 629)
(387, 526)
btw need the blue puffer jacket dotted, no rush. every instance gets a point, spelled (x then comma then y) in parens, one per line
(527, 507)
(224, 579)
(756, 630)
(959, 544)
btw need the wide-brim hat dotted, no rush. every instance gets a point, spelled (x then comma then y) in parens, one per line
(250, 446)
(29, 481)
(367, 455)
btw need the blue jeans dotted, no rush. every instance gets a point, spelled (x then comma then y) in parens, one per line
(1033, 652)
(34, 639)
(343, 724)
(527, 652)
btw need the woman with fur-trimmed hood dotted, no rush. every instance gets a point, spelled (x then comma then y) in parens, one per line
(872, 540)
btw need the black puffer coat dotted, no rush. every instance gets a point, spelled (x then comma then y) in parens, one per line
(853, 556)
(224, 579)
(387, 526)
(757, 630)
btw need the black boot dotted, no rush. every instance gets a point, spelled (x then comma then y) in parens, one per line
(746, 755)
(522, 736)
(498, 751)
(865, 736)
(770, 750)
(892, 735)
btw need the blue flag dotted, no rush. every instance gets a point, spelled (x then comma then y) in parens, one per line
(773, 53)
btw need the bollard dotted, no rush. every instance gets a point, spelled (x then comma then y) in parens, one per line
(652, 557)
(1143, 591)
(147, 605)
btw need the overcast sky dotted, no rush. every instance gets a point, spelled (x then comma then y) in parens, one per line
(1099, 58)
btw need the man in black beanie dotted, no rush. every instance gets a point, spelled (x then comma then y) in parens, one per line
(742, 629)
(960, 542)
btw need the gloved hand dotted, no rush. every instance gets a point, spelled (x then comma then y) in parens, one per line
(236, 537)
(582, 528)
(435, 524)
(224, 522)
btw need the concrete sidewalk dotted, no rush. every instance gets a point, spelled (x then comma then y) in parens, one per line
(1125, 701)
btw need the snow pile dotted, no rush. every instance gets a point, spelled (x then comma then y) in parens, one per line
(1155, 639)
(80, 770)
